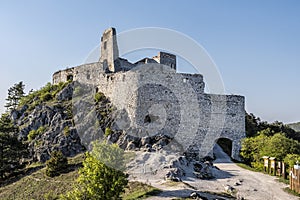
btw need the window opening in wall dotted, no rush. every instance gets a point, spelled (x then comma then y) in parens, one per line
(88, 76)
(105, 65)
(104, 45)
(70, 77)
(147, 119)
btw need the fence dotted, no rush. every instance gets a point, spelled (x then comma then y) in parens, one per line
(295, 180)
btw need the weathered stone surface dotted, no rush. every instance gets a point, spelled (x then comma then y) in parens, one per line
(66, 93)
(158, 100)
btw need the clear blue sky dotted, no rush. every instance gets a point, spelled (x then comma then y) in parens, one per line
(255, 44)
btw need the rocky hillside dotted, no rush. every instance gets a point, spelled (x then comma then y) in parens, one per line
(295, 126)
(46, 120)
(67, 117)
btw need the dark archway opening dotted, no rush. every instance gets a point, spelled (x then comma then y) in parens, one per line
(226, 145)
(147, 119)
(70, 77)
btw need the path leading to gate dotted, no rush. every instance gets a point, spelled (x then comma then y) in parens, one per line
(248, 184)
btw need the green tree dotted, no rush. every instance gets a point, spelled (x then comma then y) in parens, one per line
(254, 125)
(279, 146)
(291, 159)
(251, 124)
(11, 149)
(102, 174)
(266, 143)
(15, 93)
(251, 149)
(6, 125)
(56, 164)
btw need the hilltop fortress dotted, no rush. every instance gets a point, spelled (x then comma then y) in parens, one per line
(158, 100)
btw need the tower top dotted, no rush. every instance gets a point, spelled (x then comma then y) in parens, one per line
(109, 50)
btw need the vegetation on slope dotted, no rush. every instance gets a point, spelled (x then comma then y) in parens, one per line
(273, 140)
(46, 124)
(102, 175)
(38, 185)
(12, 151)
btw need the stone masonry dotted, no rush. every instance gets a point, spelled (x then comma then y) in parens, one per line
(158, 100)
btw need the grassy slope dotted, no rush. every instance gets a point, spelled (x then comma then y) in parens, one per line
(38, 186)
(137, 190)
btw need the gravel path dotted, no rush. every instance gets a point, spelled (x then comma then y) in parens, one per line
(250, 185)
(247, 184)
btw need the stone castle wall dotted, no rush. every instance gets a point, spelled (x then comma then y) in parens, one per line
(156, 99)
(159, 100)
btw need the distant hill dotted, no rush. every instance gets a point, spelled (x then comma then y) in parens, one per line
(295, 126)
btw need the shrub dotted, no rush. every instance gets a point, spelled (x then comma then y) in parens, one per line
(66, 131)
(33, 133)
(46, 96)
(277, 145)
(291, 159)
(108, 131)
(102, 174)
(41, 130)
(57, 164)
(46, 93)
(99, 96)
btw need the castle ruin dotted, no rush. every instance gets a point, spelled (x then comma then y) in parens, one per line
(157, 99)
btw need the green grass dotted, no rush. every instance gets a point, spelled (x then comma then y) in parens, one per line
(242, 165)
(292, 192)
(138, 190)
(39, 186)
(282, 180)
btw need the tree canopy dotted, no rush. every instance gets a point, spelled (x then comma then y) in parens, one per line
(11, 149)
(254, 125)
(101, 176)
(15, 93)
(267, 143)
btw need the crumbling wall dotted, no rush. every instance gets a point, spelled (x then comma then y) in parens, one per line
(157, 100)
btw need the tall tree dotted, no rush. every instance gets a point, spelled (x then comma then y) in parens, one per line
(15, 93)
(11, 149)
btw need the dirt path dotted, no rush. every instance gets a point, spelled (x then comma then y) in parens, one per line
(248, 184)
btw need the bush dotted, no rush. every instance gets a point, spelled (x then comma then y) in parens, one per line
(56, 164)
(46, 96)
(291, 159)
(266, 144)
(108, 132)
(32, 134)
(46, 93)
(99, 96)
(102, 174)
(66, 131)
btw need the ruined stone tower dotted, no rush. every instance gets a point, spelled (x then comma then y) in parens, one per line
(109, 50)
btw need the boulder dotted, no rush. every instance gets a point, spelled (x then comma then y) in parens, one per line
(66, 93)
